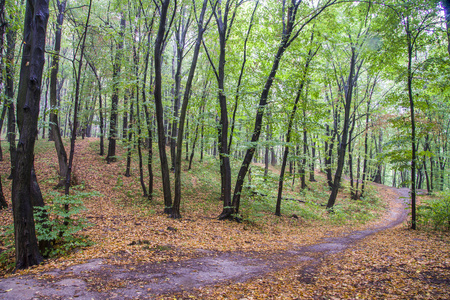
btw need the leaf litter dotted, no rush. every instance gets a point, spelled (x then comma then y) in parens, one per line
(142, 254)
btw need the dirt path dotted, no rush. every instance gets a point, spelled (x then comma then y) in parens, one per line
(97, 279)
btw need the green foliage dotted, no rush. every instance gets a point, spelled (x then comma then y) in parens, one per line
(357, 211)
(435, 213)
(59, 225)
(7, 249)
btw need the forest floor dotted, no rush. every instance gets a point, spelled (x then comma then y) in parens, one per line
(139, 253)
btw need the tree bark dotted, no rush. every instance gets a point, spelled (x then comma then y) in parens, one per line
(284, 43)
(9, 93)
(111, 156)
(33, 58)
(159, 107)
(54, 124)
(200, 30)
(410, 45)
(345, 131)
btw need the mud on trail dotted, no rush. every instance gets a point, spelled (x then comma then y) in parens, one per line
(98, 279)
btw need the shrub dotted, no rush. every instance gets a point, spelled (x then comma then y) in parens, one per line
(435, 213)
(59, 226)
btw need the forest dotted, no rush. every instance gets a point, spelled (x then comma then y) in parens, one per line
(246, 112)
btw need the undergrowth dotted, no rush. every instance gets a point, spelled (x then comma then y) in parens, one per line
(434, 213)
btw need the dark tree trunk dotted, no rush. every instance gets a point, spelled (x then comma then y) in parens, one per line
(193, 146)
(33, 58)
(379, 149)
(99, 83)
(286, 151)
(224, 24)
(353, 190)
(148, 118)
(266, 155)
(413, 125)
(111, 156)
(366, 149)
(186, 137)
(284, 44)
(313, 162)
(328, 154)
(44, 113)
(3, 25)
(130, 138)
(9, 92)
(125, 118)
(75, 110)
(3, 203)
(159, 107)
(428, 179)
(311, 54)
(345, 132)
(202, 134)
(181, 30)
(200, 30)
(54, 124)
(238, 87)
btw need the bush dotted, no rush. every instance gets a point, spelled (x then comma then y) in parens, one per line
(435, 213)
(59, 226)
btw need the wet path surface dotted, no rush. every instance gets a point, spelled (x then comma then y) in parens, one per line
(149, 280)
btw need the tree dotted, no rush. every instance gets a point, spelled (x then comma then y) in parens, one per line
(159, 47)
(291, 30)
(413, 29)
(303, 76)
(200, 30)
(35, 28)
(113, 126)
(54, 124)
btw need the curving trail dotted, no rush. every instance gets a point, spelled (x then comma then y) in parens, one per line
(150, 280)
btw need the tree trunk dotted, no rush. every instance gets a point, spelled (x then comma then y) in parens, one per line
(9, 92)
(159, 107)
(111, 156)
(35, 27)
(44, 113)
(130, 137)
(343, 142)
(75, 111)
(284, 44)
(177, 200)
(193, 146)
(238, 87)
(413, 126)
(313, 162)
(54, 124)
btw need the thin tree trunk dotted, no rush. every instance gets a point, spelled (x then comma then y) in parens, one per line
(99, 82)
(343, 142)
(413, 126)
(44, 113)
(111, 156)
(9, 93)
(130, 138)
(313, 162)
(54, 124)
(177, 200)
(238, 87)
(75, 108)
(159, 107)
(311, 54)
